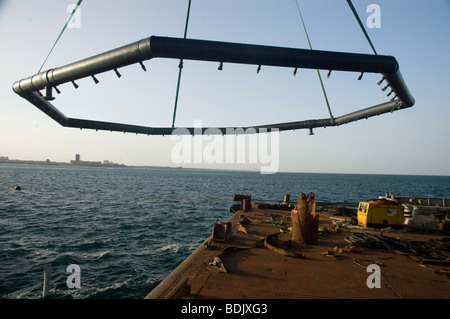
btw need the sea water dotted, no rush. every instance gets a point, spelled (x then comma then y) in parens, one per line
(127, 228)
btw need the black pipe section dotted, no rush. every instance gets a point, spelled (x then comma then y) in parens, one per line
(50, 110)
(45, 106)
(120, 57)
(189, 49)
(201, 50)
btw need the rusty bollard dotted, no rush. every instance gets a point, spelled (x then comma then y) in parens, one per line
(305, 221)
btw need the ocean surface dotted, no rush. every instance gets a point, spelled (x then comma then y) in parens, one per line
(128, 228)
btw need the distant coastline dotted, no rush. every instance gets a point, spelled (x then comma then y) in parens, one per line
(106, 163)
(76, 162)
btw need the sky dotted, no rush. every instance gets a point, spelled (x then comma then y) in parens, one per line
(411, 141)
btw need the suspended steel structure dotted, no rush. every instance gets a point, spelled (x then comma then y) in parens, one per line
(156, 47)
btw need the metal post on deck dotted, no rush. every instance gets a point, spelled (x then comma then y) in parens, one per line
(47, 270)
(287, 198)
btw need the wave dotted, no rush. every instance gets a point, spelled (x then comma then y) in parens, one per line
(97, 255)
(110, 291)
(170, 247)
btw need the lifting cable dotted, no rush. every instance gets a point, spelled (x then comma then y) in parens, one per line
(361, 25)
(59, 36)
(318, 72)
(180, 66)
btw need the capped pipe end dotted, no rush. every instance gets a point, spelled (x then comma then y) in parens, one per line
(48, 94)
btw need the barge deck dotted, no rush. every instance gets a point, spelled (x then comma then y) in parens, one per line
(239, 262)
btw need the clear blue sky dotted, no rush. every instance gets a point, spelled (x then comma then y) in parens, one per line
(411, 141)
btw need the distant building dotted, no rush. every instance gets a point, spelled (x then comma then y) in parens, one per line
(79, 162)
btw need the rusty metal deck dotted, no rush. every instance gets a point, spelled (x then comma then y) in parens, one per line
(255, 272)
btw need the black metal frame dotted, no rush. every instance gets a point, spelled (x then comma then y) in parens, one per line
(222, 52)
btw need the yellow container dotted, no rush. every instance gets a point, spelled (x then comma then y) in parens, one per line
(380, 214)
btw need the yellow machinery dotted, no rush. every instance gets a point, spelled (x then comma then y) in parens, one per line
(380, 213)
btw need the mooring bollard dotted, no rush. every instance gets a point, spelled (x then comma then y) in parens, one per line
(305, 221)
